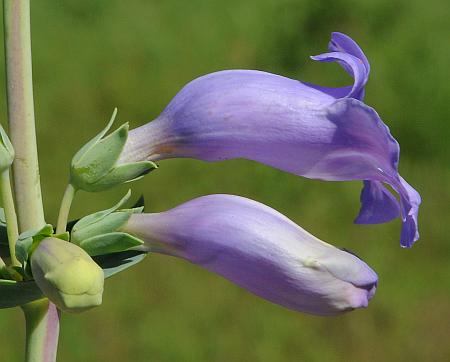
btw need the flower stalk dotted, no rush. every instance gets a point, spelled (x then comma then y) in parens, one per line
(10, 214)
(65, 209)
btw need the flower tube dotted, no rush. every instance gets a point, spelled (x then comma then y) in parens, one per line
(308, 130)
(260, 250)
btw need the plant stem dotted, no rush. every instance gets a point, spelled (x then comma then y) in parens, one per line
(65, 209)
(10, 214)
(21, 113)
(42, 321)
(42, 329)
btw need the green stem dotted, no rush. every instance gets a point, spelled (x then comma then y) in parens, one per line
(42, 329)
(27, 185)
(10, 215)
(65, 209)
(2, 267)
(41, 317)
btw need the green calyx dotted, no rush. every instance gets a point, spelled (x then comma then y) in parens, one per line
(6, 151)
(67, 275)
(94, 166)
(98, 233)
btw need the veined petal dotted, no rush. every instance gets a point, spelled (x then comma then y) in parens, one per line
(261, 250)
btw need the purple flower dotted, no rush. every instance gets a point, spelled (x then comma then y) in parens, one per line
(311, 131)
(261, 250)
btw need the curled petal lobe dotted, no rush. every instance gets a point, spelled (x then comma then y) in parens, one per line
(311, 131)
(349, 55)
(354, 67)
(344, 44)
(378, 205)
(261, 250)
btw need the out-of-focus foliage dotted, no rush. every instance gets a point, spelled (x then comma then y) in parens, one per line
(90, 56)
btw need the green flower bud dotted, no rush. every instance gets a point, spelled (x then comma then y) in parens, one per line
(6, 151)
(67, 275)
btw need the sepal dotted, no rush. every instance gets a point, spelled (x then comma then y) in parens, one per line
(114, 263)
(98, 233)
(93, 167)
(25, 245)
(109, 243)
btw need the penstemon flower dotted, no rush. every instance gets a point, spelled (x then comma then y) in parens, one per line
(261, 250)
(308, 130)
(312, 131)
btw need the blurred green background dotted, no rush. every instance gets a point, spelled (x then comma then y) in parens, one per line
(91, 56)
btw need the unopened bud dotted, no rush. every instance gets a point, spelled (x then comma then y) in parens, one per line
(67, 275)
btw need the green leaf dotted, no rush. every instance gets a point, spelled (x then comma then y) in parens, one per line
(109, 243)
(13, 294)
(116, 262)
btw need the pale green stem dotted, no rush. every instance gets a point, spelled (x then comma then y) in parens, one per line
(42, 329)
(10, 215)
(65, 209)
(27, 186)
(41, 318)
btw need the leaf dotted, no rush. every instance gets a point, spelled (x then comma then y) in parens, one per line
(13, 294)
(116, 262)
(109, 243)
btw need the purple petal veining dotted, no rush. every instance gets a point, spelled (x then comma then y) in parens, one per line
(312, 131)
(260, 250)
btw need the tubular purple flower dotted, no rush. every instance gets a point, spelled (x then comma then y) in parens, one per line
(260, 250)
(312, 131)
